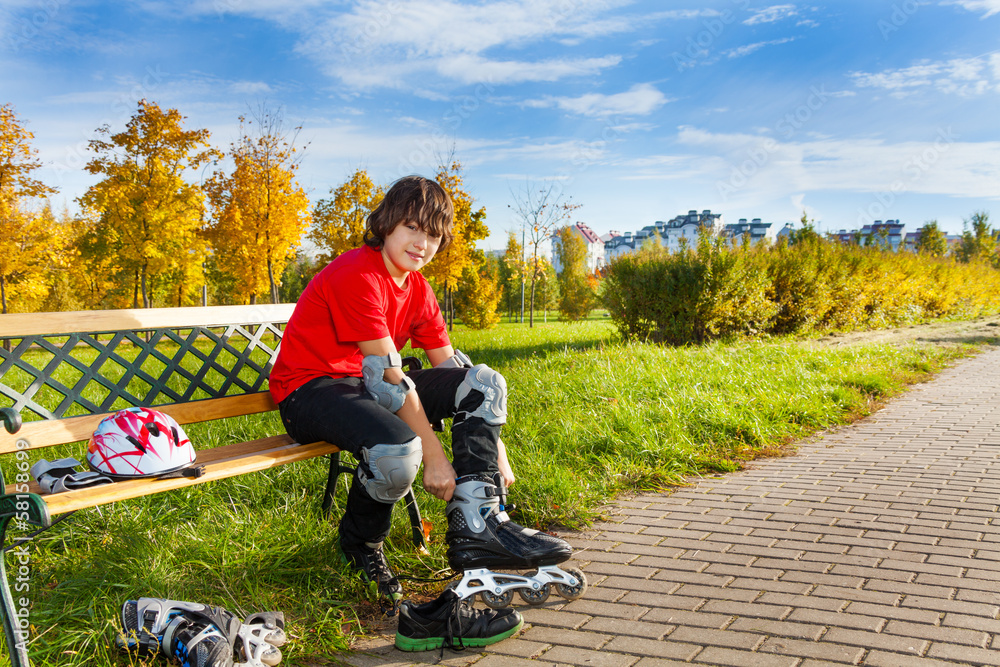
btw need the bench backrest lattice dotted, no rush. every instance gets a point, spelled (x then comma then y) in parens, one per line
(61, 373)
(53, 367)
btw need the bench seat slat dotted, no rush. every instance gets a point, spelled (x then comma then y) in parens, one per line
(221, 462)
(73, 429)
(18, 325)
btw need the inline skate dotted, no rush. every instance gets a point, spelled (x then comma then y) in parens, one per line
(482, 538)
(201, 635)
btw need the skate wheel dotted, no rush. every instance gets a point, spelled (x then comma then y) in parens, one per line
(573, 592)
(532, 596)
(494, 601)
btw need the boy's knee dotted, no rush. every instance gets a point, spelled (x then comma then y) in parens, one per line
(482, 381)
(387, 471)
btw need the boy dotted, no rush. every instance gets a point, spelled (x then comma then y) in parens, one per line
(338, 378)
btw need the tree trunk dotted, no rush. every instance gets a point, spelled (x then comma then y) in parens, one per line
(270, 276)
(3, 294)
(135, 290)
(145, 292)
(449, 307)
(253, 299)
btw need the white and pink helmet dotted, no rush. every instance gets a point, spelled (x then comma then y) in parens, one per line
(139, 442)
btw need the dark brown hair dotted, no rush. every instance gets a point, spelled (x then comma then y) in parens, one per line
(412, 199)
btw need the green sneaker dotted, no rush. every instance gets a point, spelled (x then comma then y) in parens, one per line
(445, 621)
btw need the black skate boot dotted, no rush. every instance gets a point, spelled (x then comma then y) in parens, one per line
(447, 622)
(480, 534)
(481, 537)
(198, 643)
(369, 560)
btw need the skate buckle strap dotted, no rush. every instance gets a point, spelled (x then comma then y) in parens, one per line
(61, 475)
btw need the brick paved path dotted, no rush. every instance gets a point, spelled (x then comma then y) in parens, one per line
(875, 545)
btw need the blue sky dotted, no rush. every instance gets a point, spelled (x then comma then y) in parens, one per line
(639, 110)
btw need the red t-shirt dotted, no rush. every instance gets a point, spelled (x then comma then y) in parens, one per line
(353, 299)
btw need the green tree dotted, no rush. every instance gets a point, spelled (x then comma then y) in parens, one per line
(577, 294)
(478, 294)
(931, 240)
(978, 239)
(548, 289)
(339, 222)
(144, 218)
(511, 275)
(805, 234)
(297, 275)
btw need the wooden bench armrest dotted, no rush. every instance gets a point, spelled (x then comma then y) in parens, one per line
(228, 461)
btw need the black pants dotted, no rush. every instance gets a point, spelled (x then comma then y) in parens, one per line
(342, 412)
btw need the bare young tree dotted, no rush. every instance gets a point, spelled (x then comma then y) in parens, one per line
(541, 211)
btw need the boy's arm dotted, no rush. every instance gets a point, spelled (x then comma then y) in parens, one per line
(439, 475)
(441, 354)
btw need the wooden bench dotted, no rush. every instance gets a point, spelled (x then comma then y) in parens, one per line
(62, 373)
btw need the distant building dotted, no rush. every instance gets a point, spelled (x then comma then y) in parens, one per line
(888, 234)
(672, 234)
(785, 232)
(594, 243)
(757, 230)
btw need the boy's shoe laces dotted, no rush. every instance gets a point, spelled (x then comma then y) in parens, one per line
(454, 621)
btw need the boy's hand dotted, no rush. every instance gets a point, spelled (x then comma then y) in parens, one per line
(439, 478)
(503, 463)
(506, 473)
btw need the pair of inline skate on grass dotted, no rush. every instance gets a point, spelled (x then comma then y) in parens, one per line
(485, 547)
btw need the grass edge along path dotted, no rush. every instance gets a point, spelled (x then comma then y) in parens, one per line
(590, 418)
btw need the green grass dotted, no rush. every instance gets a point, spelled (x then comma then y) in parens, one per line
(590, 417)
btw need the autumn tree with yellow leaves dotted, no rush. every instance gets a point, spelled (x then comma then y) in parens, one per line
(470, 226)
(143, 217)
(28, 245)
(259, 212)
(339, 222)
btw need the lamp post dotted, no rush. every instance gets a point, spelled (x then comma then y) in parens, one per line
(522, 273)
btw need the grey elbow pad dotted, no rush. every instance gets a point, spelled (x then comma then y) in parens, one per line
(458, 360)
(390, 396)
(389, 470)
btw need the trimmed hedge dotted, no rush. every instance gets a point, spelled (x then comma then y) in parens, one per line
(716, 290)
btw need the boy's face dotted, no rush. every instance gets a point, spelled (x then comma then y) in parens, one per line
(408, 248)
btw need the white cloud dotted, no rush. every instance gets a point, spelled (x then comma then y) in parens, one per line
(772, 14)
(475, 69)
(966, 77)
(753, 166)
(429, 44)
(640, 100)
(250, 88)
(416, 43)
(988, 7)
(741, 51)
